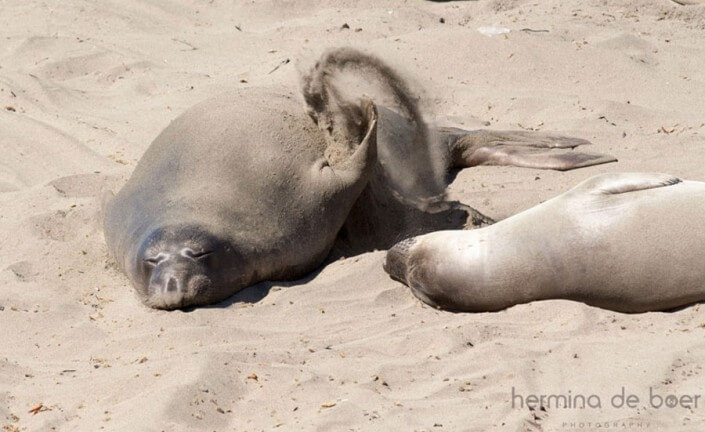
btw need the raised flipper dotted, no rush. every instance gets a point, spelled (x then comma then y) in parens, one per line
(618, 183)
(518, 148)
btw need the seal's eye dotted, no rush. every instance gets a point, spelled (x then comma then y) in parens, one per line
(197, 255)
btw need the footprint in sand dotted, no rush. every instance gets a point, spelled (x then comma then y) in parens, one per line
(63, 225)
(23, 271)
(534, 421)
(85, 185)
(35, 152)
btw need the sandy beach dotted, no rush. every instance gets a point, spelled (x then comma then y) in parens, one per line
(86, 86)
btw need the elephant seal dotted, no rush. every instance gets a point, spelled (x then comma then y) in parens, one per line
(629, 242)
(253, 186)
(199, 219)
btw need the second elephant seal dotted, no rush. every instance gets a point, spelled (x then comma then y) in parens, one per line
(629, 242)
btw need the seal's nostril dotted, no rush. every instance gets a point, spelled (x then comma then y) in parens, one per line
(171, 286)
(153, 261)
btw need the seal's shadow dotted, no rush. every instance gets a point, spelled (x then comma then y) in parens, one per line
(452, 174)
(683, 307)
(258, 292)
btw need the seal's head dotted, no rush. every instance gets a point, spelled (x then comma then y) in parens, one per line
(186, 265)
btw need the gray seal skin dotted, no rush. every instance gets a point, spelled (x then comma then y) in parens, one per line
(253, 186)
(629, 242)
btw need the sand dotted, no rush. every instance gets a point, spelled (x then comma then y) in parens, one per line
(85, 87)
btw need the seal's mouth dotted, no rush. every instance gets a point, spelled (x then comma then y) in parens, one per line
(396, 262)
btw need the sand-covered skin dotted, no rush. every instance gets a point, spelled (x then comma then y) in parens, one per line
(86, 86)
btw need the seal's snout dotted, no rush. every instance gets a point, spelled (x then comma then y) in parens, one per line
(175, 283)
(179, 266)
(396, 262)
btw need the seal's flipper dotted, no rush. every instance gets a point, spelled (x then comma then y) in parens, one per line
(360, 164)
(517, 148)
(483, 137)
(342, 184)
(618, 183)
(417, 174)
(528, 157)
(396, 261)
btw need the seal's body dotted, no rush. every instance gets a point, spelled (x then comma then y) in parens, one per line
(215, 205)
(629, 242)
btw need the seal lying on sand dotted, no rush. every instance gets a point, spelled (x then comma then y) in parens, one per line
(629, 242)
(250, 187)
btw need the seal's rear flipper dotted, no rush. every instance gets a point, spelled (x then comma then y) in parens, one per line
(518, 148)
(555, 159)
(618, 183)
(395, 263)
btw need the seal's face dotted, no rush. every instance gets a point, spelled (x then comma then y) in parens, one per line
(181, 266)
